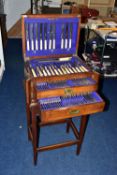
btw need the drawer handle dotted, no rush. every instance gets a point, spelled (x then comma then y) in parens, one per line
(74, 112)
(68, 91)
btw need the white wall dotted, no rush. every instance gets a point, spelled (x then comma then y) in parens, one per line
(13, 9)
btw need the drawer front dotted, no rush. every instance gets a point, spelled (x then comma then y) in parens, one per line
(66, 91)
(72, 111)
(65, 87)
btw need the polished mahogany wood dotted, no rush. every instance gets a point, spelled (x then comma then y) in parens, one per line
(70, 112)
(49, 16)
(37, 118)
(78, 134)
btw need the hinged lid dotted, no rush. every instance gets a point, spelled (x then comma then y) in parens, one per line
(50, 35)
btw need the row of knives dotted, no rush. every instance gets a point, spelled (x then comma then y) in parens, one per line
(42, 36)
(66, 101)
(47, 44)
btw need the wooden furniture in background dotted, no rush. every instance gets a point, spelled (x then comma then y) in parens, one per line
(51, 10)
(103, 6)
(39, 7)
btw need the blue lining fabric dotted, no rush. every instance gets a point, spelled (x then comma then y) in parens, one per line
(61, 32)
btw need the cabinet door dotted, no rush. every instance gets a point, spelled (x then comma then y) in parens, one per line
(108, 3)
(82, 2)
(103, 6)
(2, 65)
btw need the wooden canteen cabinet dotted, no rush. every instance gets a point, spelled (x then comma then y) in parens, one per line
(58, 85)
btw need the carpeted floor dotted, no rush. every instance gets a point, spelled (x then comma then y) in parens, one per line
(99, 151)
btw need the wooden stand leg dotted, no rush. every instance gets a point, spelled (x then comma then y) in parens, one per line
(27, 93)
(68, 126)
(28, 120)
(34, 134)
(83, 126)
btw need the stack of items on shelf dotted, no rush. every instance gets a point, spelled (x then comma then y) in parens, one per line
(101, 46)
(54, 3)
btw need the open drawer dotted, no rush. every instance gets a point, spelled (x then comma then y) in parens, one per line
(57, 108)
